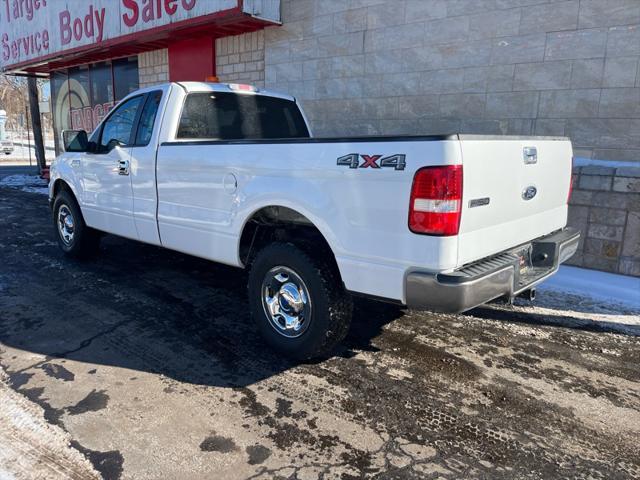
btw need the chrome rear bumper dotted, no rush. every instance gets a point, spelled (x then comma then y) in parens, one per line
(503, 275)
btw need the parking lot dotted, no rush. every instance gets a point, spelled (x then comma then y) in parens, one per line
(143, 364)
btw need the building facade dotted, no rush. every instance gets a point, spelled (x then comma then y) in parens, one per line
(95, 52)
(518, 67)
(515, 67)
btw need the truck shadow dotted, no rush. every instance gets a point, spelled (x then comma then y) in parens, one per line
(144, 308)
(152, 310)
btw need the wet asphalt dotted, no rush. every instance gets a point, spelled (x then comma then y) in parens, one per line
(148, 359)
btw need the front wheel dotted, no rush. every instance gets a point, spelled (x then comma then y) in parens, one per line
(298, 301)
(75, 238)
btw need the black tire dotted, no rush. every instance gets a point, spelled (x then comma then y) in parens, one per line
(332, 306)
(86, 240)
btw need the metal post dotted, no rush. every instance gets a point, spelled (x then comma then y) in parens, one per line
(38, 141)
(26, 116)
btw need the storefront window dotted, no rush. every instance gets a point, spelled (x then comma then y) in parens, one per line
(82, 96)
(101, 90)
(125, 76)
(80, 99)
(60, 104)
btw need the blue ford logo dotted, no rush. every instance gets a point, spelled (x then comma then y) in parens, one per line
(529, 192)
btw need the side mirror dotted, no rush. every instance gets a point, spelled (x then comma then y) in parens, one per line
(113, 143)
(75, 140)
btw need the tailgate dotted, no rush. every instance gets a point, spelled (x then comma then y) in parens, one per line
(514, 190)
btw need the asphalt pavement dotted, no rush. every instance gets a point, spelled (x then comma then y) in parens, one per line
(143, 364)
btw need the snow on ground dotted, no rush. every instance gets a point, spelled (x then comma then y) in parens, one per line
(32, 448)
(582, 298)
(607, 287)
(26, 183)
(589, 162)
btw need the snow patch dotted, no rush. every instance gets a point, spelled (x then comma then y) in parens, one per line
(589, 162)
(596, 285)
(30, 447)
(26, 183)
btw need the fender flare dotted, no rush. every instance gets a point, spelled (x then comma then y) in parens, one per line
(320, 225)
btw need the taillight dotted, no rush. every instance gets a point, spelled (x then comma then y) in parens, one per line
(570, 182)
(436, 200)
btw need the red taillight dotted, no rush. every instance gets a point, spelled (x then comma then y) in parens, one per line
(436, 200)
(570, 181)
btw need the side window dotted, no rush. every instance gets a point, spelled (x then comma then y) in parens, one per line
(198, 118)
(118, 127)
(147, 119)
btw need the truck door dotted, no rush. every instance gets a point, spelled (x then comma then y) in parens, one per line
(143, 168)
(108, 195)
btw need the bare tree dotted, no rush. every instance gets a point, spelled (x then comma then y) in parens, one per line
(13, 98)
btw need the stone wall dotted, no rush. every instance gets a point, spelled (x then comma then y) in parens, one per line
(605, 206)
(525, 67)
(153, 67)
(484, 66)
(240, 59)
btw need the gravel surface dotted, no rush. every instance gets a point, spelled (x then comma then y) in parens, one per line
(144, 363)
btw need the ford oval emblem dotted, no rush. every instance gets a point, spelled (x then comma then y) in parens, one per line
(529, 192)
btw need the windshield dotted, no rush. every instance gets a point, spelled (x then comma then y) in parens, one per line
(231, 116)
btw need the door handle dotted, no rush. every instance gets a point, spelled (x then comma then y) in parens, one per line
(123, 167)
(75, 162)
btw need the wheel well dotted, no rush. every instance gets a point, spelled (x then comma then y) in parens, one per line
(61, 185)
(282, 224)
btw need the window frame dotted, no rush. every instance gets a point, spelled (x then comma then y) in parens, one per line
(148, 96)
(99, 149)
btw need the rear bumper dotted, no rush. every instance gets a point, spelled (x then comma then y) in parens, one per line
(506, 274)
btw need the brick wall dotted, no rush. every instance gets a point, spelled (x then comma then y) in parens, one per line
(426, 66)
(605, 206)
(544, 67)
(240, 59)
(525, 67)
(153, 67)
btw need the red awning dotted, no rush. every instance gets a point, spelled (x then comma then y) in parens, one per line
(220, 24)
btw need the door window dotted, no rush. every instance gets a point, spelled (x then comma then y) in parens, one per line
(117, 129)
(147, 119)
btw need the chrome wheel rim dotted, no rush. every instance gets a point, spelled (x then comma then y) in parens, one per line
(66, 224)
(286, 302)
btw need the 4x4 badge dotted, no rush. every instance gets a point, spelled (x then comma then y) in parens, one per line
(398, 162)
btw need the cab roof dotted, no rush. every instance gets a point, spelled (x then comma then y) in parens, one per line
(192, 87)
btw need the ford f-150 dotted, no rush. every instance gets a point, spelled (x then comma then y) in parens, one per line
(231, 173)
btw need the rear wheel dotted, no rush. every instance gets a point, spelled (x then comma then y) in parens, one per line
(75, 238)
(298, 301)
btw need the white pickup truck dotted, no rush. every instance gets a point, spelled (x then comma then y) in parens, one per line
(231, 173)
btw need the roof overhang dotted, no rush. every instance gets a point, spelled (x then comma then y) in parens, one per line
(215, 18)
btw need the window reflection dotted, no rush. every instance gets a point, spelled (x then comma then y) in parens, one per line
(83, 96)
